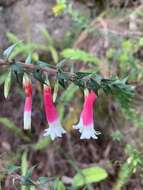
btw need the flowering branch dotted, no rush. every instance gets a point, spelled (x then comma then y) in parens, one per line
(113, 85)
(85, 80)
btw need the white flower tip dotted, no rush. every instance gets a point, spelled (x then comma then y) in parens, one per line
(89, 132)
(54, 130)
(88, 137)
(27, 120)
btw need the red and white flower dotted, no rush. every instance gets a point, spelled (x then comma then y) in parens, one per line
(55, 129)
(27, 85)
(86, 122)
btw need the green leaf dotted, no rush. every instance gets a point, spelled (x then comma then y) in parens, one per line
(127, 45)
(50, 44)
(43, 64)
(77, 54)
(12, 37)
(24, 167)
(10, 125)
(26, 182)
(30, 171)
(26, 179)
(117, 135)
(89, 175)
(15, 67)
(24, 163)
(54, 54)
(38, 75)
(29, 59)
(3, 77)
(141, 42)
(55, 93)
(47, 35)
(42, 143)
(43, 180)
(68, 94)
(58, 185)
(12, 168)
(9, 50)
(7, 84)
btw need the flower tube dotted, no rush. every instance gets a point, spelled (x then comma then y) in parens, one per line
(55, 129)
(27, 85)
(86, 122)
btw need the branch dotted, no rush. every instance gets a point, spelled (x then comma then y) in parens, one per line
(30, 67)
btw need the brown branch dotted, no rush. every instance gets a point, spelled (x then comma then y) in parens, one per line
(32, 67)
(28, 66)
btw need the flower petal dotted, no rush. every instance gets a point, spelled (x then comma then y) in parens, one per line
(89, 132)
(55, 130)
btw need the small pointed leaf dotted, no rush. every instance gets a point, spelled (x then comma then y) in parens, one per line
(30, 171)
(29, 59)
(9, 50)
(12, 168)
(56, 88)
(7, 84)
(43, 180)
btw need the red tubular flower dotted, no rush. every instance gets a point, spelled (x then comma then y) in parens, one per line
(27, 85)
(86, 123)
(55, 129)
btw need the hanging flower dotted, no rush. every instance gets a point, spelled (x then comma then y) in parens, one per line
(86, 122)
(27, 85)
(55, 129)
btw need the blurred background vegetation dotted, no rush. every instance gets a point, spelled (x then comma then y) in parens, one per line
(102, 36)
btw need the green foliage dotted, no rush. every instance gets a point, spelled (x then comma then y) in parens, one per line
(9, 50)
(7, 84)
(118, 88)
(12, 168)
(129, 167)
(41, 144)
(3, 78)
(43, 180)
(58, 185)
(29, 59)
(60, 7)
(24, 163)
(26, 49)
(11, 126)
(26, 180)
(55, 93)
(50, 45)
(133, 116)
(141, 42)
(66, 7)
(117, 136)
(77, 54)
(24, 167)
(89, 175)
(68, 94)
